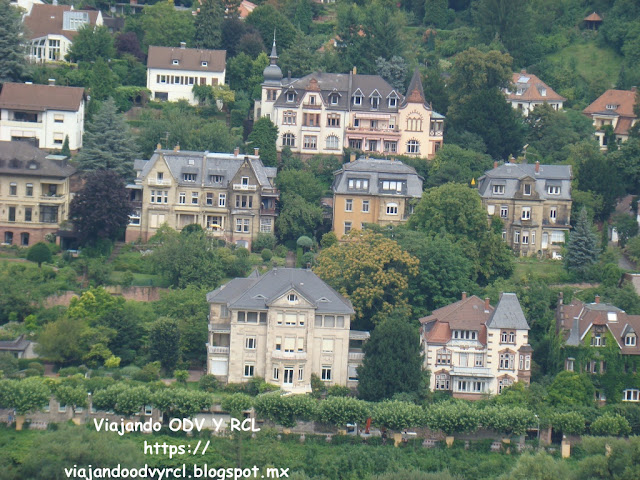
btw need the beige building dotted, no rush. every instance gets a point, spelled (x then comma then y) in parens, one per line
(283, 326)
(614, 108)
(473, 349)
(43, 115)
(371, 190)
(533, 201)
(51, 29)
(172, 72)
(231, 196)
(323, 113)
(529, 91)
(34, 193)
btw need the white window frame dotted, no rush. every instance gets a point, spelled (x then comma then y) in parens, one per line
(553, 190)
(631, 395)
(392, 209)
(498, 189)
(348, 205)
(250, 343)
(526, 213)
(222, 200)
(365, 206)
(249, 370)
(504, 211)
(326, 375)
(630, 340)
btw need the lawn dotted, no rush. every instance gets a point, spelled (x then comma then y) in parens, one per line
(549, 271)
(591, 60)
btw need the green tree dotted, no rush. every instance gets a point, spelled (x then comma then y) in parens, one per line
(264, 136)
(626, 226)
(90, 43)
(455, 164)
(301, 183)
(71, 396)
(108, 144)
(132, 400)
(453, 417)
(540, 466)
(339, 411)
(12, 52)
(582, 249)
(297, 217)
(611, 425)
(392, 361)
(39, 253)
(266, 18)
(303, 17)
(436, 13)
(65, 150)
(372, 271)
(571, 389)
(164, 342)
(393, 71)
(165, 26)
(24, 396)
(101, 207)
(188, 260)
(208, 24)
(102, 81)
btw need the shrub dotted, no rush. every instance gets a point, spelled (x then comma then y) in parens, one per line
(266, 254)
(236, 403)
(339, 411)
(610, 424)
(328, 239)
(208, 383)
(308, 259)
(280, 251)
(242, 252)
(181, 376)
(338, 391)
(262, 241)
(149, 373)
(397, 415)
(285, 410)
(569, 423)
(452, 417)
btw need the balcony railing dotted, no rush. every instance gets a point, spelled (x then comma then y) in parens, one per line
(472, 371)
(219, 328)
(242, 186)
(159, 182)
(267, 211)
(312, 106)
(278, 354)
(356, 356)
(385, 130)
(52, 198)
(435, 133)
(213, 350)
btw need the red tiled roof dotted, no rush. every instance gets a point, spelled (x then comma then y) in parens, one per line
(624, 99)
(594, 17)
(623, 126)
(40, 97)
(532, 89)
(189, 59)
(46, 20)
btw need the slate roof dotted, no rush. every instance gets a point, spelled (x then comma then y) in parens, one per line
(41, 98)
(532, 88)
(257, 293)
(189, 59)
(21, 158)
(582, 316)
(225, 164)
(46, 20)
(20, 344)
(376, 171)
(510, 175)
(508, 314)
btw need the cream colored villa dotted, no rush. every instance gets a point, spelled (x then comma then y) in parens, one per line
(283, 326)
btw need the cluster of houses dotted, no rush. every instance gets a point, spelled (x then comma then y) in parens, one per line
(287, 324)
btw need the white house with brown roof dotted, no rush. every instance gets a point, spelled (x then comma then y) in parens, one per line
(172, 72)
(614, 108)
(42, 115)
(529, 91)
(473, 349)
(51, 28)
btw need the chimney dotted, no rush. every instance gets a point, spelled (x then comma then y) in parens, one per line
(159, 146)
(464, 295)
(512, 159)
(495, 164)
(289, 76)
(176, 148)
(597, 298)
(52, 81)
(486, 304)
(523, 71)
(236, 151)
(352, 157)
(355, 70)
(537, 166)
(183, 45)
(256, 151)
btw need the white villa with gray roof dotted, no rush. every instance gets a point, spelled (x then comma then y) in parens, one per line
(284, 326)
(322, 113)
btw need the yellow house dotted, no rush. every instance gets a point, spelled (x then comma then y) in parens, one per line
(376, 191)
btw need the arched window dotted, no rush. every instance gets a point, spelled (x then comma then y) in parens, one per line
(333, 143)
(413, 146)
(414, 124)
(288, 140)
(443, 357)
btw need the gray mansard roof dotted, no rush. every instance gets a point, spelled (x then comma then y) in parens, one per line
(508, 314)
(511, 174)
(377, 171)
(223, 164)
(258, 292)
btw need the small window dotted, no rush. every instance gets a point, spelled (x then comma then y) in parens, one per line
(326, 373)
(553, 190)
(504, 211)
(526, 213)
(292, 297)
(291, 97)
(176, 62)
(392, 208)
(250, 343)
(393, 101)
(498, 189)
(347, 227)
(249, 370)
(348, 205)
(365, 206)
(333, 99)
(527, 189)
(630, 340)
(204, 64)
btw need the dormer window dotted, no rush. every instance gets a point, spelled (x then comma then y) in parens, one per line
(393, 102)
(357, 100)
(312, 100)
(333, 99)
(498, 189)
(553, 190)
(189, 177)
(375, 100)
(519, 91)
(527, 189)
(630, 340)
(543, 92)
(204, 64)
(291, 96)
(612, 106)
(176, 62)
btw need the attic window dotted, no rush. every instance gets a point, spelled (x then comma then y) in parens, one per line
(291, 97)
(33, 166)
(204, 64)
(393, 101)
(498, 189)
(519, 91)
(333, 98)
(612, 317)
(357, 100)
(324, 300)
(630, 340)
(543, 92)
(176, 62)
(292, 297)
(612, 106)
(260, 297)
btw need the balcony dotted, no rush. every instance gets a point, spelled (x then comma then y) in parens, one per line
(471, 372)
(356, 356)
(245, 188)
(219, 328)
(435, 133)
(58, 198)
(395, 131)
(281, 355)
(214, 350)
(267, 211)
(312, 106)
(159, 182)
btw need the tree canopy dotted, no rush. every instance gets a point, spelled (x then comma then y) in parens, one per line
(12, 55)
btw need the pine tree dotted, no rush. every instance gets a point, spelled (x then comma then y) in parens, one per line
(264, 136)
(582, 249)
(12, 59)
(65, 147)
(108, 143)
(208, 24)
